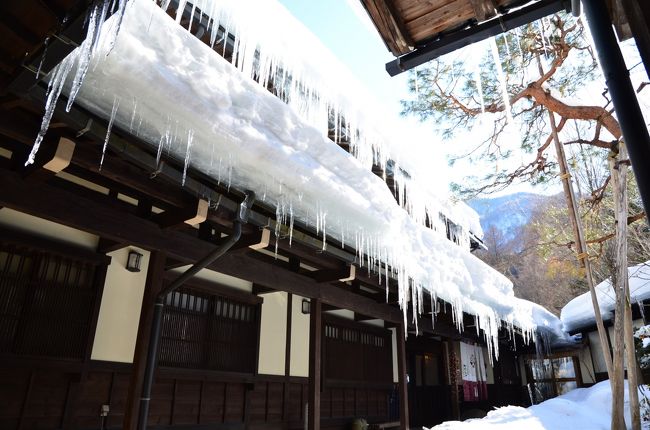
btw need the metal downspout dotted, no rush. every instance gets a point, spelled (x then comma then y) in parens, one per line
(154, 339)
(626, 106)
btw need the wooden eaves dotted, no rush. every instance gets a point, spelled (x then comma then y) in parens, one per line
(129, 170)
(418, 31)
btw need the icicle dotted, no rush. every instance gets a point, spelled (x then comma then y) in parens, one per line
(190, 138)
(60, 73)
(46, 44)
(116, 104)
(502, 79)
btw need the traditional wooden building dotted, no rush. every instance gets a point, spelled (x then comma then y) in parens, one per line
(270, 333)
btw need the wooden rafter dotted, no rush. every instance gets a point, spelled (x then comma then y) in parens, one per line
(390, 25)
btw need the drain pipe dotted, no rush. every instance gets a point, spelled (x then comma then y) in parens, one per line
(626, 106)
(154, 339)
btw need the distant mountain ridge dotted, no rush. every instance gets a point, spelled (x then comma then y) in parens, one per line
(507, 213)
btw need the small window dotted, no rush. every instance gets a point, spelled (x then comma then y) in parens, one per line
(552, 377)
(206, 331)
(46, 303)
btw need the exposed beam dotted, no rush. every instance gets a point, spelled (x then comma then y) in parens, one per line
(464, 37)
(91, 216)
(393, 30)
(191, 215)
(340, 274)
(483, 9)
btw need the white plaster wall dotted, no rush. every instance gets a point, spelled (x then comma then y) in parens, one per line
(47, 229)
(299, 365)
(119, 313)
(220, 278)
(586, 366)
(273, 334)
(597, 352)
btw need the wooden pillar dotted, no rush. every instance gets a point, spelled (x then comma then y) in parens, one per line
(403, 387)
(153, 285)
(287, 361)
(315, 339)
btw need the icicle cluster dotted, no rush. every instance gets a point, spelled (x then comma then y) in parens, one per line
(192, 105)
(78, 60)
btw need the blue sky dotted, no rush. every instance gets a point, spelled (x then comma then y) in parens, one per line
(344, 27)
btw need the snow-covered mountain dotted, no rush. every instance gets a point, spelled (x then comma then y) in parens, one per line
(507, 213)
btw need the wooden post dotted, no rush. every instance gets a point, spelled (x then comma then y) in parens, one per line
(403, 387)
(619, 177)
(287, 361)
(315, 339)
(619, 278)
(581, 245)
(155, 275)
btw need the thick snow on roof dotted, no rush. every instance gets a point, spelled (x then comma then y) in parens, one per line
(582, 408)
(579, 312)
(162, 84)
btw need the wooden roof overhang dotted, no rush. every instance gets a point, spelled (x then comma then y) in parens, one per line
(117, 200)
(418, 31)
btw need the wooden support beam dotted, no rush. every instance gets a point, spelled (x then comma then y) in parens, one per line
(401, 371)
(62, 156)
(315, 355)
(483, 9)
(153, 284)
(53, 157)
(106, 245)
(254, 241)
(392, 29)
(92, 216)
(287, 361)
(342, 274)
(195, 214)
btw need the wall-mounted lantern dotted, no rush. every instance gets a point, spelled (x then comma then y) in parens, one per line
(133, 262)
(305, 306)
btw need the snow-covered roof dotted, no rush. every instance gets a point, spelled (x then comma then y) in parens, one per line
(579, 312)
(163, 85)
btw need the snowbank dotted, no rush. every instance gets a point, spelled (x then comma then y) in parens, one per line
(579, 312)
(582, 408)
(166, 87)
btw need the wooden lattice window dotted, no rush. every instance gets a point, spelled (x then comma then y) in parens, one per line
(46, 303)
(206, 331)
(365, 350)
(552, 377)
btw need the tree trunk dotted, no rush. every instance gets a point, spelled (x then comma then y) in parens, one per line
(619, 177)
(581, 246)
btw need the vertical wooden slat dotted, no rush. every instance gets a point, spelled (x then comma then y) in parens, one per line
(401, 366)
(315, 347)
(24, 407)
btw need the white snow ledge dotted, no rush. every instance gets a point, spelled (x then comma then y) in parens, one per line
(169, 89)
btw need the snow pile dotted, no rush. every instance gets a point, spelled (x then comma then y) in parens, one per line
(163, 85)
(642, 346)
(582, 408)
(579, 312)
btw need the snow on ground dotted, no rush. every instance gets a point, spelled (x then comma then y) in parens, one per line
(579, 312)
(166, 87)
(582, 408)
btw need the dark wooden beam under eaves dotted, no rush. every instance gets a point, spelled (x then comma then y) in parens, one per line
(388, 22)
